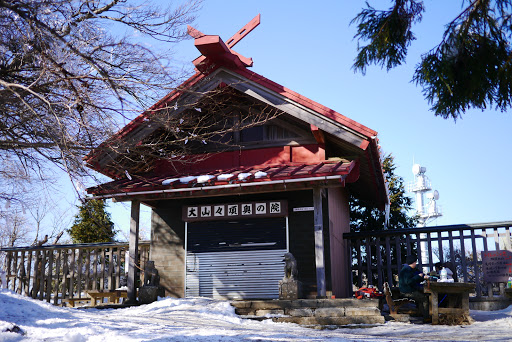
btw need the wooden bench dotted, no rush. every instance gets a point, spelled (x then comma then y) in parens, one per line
(395, 304)
(113, 296)
(71, 302)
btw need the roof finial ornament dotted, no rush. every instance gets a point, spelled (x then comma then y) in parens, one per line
(214, 52)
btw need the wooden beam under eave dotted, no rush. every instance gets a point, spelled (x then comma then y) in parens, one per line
(319, 243)
(134, 251)
(318, 134)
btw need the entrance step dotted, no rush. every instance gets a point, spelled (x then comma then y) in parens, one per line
(313, 312)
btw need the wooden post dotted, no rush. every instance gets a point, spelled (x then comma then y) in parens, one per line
(88, 270)
(118, 268)
(41, 269)
(8, 276)
(57, 278)
(50, 276)
(95, 275)
(65, 273)
(23, 274)
(134, 251)
(79, 276)
(111, 277)
(319, 243)
(15, 270)
(29, 274)
(72, 267)
(102, 271)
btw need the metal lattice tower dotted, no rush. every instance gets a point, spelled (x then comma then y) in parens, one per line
(425, 211)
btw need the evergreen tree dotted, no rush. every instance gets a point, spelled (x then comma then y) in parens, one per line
(365, 217)
(92, 223)
(470, 67)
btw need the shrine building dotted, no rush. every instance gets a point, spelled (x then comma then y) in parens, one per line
(238, 170)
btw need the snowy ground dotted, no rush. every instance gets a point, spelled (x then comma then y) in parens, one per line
(201, 319)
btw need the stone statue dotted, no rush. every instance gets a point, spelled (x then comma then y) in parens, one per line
(290, 287)
(290, 267)
(151, 277)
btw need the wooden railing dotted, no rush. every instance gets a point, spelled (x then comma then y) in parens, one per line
(377, 256)
(56, 272)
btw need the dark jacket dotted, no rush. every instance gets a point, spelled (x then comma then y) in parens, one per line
(409, 280)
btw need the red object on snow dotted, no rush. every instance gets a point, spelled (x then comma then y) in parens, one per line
(368, 292)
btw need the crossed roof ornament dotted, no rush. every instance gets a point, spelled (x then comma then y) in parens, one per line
(215, 52)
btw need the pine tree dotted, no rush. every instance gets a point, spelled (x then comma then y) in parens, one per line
(365, 217)
(470, 68)
(92, 223)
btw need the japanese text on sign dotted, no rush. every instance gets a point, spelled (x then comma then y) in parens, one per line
(497, 266)
(234, 210)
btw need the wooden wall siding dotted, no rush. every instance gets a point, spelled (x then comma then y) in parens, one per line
(377, 256)
(339, 223)
(52, 273)
(302, 238)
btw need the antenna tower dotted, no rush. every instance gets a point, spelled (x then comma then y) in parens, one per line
(425, 211)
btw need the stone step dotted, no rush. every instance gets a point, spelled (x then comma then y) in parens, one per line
(304, 303)
(311, 321)
(313, 312)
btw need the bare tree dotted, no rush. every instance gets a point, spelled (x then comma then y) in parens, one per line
(14, 229)
(48, 219)
(66, 80)
(185, 131)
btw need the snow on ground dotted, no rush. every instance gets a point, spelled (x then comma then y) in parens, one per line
(203, 319)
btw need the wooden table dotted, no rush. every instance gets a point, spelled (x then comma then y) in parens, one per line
(457, 295)
(113, 296)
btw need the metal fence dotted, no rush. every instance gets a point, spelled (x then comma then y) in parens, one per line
(378, 256)
(56, 272)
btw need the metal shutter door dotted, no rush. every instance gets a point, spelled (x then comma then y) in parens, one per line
(235, 275)
(236, 259)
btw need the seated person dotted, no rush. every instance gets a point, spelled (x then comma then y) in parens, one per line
(409, 282)
(451, 271)
(438, 266)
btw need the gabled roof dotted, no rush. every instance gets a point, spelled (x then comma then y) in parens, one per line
(220, 66)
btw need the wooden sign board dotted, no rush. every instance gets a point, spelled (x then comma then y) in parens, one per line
(209, 212)
(497, 266)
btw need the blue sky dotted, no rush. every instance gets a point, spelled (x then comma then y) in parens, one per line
(309, 47)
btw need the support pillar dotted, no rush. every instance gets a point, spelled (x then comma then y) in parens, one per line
(133, 264)
(319, 243)
(339, 223)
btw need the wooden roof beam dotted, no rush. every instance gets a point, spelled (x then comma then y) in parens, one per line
(318, 134)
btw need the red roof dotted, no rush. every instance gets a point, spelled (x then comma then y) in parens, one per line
(243, 176)
(215, 56)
